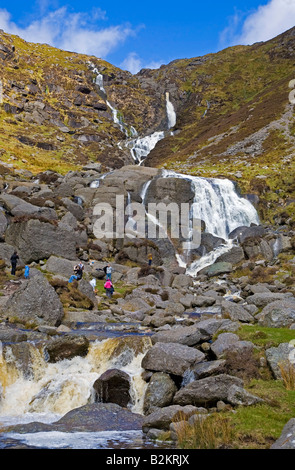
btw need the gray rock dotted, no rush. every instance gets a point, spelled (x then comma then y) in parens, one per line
(283, 354)
(278, 314)
(187, 335)
(206, 369)
(239, 396)
(37, 240)
(227, 343)
(181, 281)
(203, 301)
(219, 268)
(287, 438)
(159, 393)
(265, 298)
(206, 392)
(171, 358)
(236, 312)
(163, 417)
(7, 335)
(34, 302)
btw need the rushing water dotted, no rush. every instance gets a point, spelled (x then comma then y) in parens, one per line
(139, 147)
(53, 389)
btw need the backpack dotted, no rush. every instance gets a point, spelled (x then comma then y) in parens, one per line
(27, 272)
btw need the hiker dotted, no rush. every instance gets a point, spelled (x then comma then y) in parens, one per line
(109, 288)
(108, 271)
(78, 270)
(27, 272)
(150, 258)
(14, 258)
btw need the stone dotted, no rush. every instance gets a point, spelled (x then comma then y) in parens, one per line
(163, 417)
(171, 358)
(279, 356)
(278, 314)
(187, 335)
(206, 369)
(262, 299)
(287, 438)
(206, 392)
(159, 393)
(227, 343)
(113, 386)
(236, 312)
(34, 302)
(239, 396)
(37, 240)
(66, 347)
(219, 268)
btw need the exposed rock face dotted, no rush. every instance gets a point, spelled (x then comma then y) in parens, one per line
(34, 302)
(38, 240)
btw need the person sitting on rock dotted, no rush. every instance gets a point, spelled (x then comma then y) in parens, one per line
(14, 258)
(78, 270)
(109, 288)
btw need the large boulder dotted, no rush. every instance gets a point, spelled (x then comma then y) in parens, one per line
(171, 358)
(187, 335)
(113, 386)
(260, 300)
(229, 342)
(278, 314)
(37, 240)
(236, 312)
(67, 347)
(207, 391)
(159, 393)
(35, 302)
(279, 357)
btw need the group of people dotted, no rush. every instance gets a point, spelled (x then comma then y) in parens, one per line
(78, 274)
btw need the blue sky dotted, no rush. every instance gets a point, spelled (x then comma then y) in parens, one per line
(133, 34)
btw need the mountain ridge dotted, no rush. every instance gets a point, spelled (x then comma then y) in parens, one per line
(234, 118)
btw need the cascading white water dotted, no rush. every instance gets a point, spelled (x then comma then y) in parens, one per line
(217, 203)
(56, 388)
(171, 115)
(142, 146)
(139, 147)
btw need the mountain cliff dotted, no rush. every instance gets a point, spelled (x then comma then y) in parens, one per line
(61, 110)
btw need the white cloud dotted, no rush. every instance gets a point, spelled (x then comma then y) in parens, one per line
(266, 22)
(133, 63)
(70, 31)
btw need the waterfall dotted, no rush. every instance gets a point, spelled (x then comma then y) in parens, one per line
(171, 115)
(217, 203)
(142, 146)
(139, 147)
(53, 389)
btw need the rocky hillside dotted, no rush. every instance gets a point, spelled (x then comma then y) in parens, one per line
(234, 118)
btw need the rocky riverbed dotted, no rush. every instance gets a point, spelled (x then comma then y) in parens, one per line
(166, 347)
